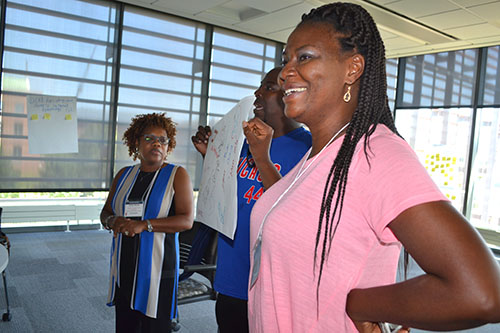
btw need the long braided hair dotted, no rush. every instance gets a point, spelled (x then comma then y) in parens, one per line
(358, 33)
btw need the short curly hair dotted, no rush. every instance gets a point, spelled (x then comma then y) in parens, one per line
(139, 124)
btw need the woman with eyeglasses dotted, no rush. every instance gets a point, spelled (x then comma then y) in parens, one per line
(145, 217)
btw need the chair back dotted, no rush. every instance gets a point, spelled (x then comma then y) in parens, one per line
(4, 240)
(198, 254)
(1, 232)
(198, 246)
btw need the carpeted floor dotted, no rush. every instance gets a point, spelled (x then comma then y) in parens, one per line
(57, 282)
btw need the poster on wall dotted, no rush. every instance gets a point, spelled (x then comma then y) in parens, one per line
(52, 124)
(217, 198)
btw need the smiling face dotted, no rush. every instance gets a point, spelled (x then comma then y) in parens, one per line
(152, 152)
(315, 76)
(268, 98)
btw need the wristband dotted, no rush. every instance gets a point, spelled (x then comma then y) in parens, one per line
(106, 221)
(389, 328)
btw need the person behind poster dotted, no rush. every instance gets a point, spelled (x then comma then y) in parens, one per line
(288, 143)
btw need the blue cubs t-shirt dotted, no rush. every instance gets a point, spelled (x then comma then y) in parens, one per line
(233, 256)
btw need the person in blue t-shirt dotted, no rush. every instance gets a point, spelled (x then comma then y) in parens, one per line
(289, 143)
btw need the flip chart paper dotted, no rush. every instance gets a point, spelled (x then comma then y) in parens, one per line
(217, 200)
(52, 124)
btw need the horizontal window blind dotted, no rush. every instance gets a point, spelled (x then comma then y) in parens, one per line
(441, 79)
(56, 48)
(238, 64)
(161, 71)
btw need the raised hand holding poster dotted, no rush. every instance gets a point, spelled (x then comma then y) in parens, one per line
(217, 200)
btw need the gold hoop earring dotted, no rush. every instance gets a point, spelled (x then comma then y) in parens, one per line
(347, 95)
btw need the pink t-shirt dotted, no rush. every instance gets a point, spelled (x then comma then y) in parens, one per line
(364, 251)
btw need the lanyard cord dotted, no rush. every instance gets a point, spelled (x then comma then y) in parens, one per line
(299, 174)
(258, 242)
(145, 195)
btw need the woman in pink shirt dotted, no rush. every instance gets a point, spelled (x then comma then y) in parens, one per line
(326, 238)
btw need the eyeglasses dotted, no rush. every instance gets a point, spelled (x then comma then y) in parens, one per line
(151, 138)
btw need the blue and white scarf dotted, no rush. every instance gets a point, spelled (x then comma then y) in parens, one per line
(148, 269)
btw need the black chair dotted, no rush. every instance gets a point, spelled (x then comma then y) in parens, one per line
(4, 241)
(198, 255)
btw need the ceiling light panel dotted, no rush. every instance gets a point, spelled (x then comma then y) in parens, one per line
(269, 6)
(277, 21)
(416, 9)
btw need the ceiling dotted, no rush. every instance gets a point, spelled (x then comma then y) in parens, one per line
(408, 27)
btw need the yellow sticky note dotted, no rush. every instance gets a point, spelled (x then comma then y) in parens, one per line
(34, 117)
(453, 197)
(445, 183)
(442, 171)
(46, 116)
(67, 117)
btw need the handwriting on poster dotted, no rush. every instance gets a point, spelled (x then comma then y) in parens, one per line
(217, 198)
(52, 124)
(52, 104)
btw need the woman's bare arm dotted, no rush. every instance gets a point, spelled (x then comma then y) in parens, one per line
(461, 287)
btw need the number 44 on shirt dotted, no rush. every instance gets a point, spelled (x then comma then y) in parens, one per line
(250, 195)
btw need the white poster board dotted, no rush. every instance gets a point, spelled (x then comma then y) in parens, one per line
(217, 199)
(52, 124)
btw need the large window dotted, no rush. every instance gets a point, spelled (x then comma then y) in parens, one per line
(484, 190)
(161, 71)
(239, 63)
(485, 176)
(118, 61)
(440, 137)
(454, 130)
(391, 68)
(430, 119)
(492, 77)
(58, 48)
(441, 79)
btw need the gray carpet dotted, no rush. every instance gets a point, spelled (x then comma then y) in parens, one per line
(57, 282)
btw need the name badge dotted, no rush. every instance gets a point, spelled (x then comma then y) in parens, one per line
(133, 209)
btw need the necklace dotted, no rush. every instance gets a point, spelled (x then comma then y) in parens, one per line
(258, 243)
(145, 175)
